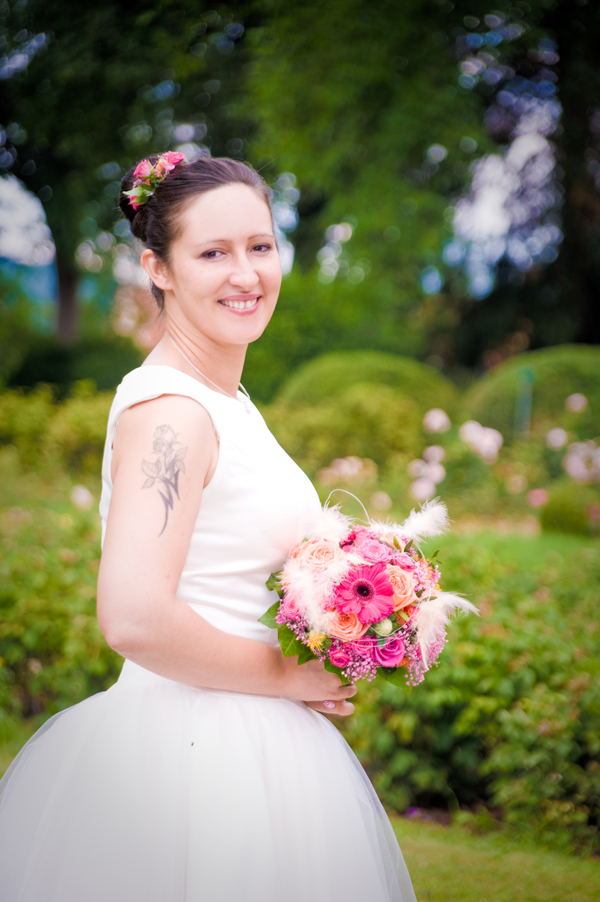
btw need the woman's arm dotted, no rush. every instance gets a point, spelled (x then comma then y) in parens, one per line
(152, 514)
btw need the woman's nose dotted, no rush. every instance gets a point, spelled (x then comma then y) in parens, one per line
(244, 273)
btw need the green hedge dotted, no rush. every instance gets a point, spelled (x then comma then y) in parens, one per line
(511, 717)
(52, 653)
(364, 420)
(327, 377)
(70, 434)
(557, 373)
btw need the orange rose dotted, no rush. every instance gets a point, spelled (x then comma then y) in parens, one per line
(403, 583)
(347, 627)
(317, 555)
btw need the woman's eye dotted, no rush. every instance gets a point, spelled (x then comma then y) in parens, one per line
(211, 255)
(263, 248)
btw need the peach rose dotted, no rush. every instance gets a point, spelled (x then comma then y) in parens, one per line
(317, 555)
(347, 627)
(403, 584)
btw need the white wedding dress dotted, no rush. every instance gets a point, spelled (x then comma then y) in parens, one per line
(156, 791)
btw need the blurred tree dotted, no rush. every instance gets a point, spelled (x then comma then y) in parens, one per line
(87, 91)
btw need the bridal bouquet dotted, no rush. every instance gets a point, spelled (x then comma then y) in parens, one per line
(364, 599)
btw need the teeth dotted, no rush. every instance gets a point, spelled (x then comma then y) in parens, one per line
(240, 305)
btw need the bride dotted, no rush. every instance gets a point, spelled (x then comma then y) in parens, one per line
(206, 773)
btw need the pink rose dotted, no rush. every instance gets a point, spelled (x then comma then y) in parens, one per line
(339, 656)
(403, 584)
(373, 550)
(363, 647)
(390, 654)
(143, 170)
(347, 627)
(316, 555)
(172, 159)
(288, 608)
(405, 561)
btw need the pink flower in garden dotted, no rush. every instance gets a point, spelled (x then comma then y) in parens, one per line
(366, 591)
(373, 550)
(339, 656)
(390, 654)
(143, 170)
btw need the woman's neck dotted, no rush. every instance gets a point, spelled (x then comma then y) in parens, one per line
(197, 356)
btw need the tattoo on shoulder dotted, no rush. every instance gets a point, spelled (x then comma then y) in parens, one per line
(166, 468)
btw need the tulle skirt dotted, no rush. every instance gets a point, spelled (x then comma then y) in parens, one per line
(160, 792)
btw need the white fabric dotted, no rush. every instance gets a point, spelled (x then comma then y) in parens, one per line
(156, 791)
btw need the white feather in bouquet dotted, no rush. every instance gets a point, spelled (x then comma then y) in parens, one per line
(431, 619)
(431, 520)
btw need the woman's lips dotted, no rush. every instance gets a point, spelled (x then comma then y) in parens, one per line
(241, 303)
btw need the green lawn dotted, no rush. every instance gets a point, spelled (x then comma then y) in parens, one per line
(449, 865)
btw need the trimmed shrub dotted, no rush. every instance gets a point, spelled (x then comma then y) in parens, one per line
(327, 377)
(69, 434)
(364, 420)
(104, 360)
(571, 508)
(557, 373)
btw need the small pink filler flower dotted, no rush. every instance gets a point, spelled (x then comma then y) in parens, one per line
(367, 592)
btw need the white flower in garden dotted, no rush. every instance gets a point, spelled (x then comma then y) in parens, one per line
(423, 469)
(82, 497)
(436, 420)
(423, 488)
(484, 440)
(576, 402)
(348, 469)
(434, 454)
(381, 501)
(582, 462)
(557, 438)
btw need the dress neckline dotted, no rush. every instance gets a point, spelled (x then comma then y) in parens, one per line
(239, 398)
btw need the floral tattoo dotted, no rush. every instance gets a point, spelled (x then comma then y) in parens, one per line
(166, 468)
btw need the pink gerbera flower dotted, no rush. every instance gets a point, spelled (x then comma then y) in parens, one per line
(367, 592)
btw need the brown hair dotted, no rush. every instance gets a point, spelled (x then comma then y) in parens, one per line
(157, 223)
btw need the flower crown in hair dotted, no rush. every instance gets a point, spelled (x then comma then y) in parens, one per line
(147, 177)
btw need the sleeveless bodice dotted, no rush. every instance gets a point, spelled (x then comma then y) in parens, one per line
(256, 506)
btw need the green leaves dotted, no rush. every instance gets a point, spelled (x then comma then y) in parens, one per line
(268, 618)
(274, 583)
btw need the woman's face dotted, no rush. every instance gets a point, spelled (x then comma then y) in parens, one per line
(224, 273)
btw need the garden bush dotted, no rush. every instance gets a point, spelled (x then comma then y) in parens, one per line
(511, 718)
(558, 372)
(327, 377)
(102, 359)
(571, 508)
(46, 433)
(52, 653)
(364, 420)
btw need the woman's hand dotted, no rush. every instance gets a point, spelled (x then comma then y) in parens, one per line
(320, 689)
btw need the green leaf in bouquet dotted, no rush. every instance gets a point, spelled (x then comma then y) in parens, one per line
(395, 675)
(288, 641)
(268, 618)
(274, 583)
(397, 544)
(306, 654)
(408, 546)
(337, 670)
(434, 555)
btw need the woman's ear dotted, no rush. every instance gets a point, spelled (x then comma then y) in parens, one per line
(156, 270)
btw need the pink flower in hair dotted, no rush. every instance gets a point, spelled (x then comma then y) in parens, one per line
(172, 159)
(143, 170)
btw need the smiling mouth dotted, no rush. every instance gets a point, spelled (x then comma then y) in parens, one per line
(238, 304)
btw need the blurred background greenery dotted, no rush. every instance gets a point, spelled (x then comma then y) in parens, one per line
(435, 169)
